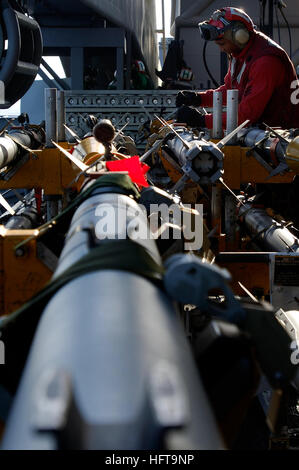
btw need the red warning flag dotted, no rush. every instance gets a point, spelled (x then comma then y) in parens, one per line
(133, 166)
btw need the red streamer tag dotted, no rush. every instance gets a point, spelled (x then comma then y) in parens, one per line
(133, 166)
(38, 199)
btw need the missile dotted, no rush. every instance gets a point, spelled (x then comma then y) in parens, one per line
(200, 160)
(26, 219)
(13, 143)
(276, 150)
(110, 366)
(267, 231)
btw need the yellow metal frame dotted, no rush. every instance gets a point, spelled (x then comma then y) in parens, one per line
(22, 274)
(49, 170)
(240, 168)
(253, 279)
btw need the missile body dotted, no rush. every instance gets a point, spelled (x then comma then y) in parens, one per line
(110, 367)
(9, 148)
(267, 231)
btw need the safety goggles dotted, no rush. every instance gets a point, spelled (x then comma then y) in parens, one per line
(210, 32)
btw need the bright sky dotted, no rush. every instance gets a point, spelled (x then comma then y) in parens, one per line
(55, 62)
(167, 5)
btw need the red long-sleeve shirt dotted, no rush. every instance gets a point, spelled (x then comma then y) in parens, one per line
(266, 74)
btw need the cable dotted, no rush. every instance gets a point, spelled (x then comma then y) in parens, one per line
(16, 5)
(262, 14)
(288, 26)
(260, 26)
(206, 65)
(278, 25)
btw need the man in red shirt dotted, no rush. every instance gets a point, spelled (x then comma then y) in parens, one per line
(259, 68)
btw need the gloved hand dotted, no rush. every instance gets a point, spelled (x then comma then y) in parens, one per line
(189, 98)
(192, 117)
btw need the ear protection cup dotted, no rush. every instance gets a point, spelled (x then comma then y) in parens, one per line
(238, 34)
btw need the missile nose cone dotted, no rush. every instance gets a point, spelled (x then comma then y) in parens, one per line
(104, 131)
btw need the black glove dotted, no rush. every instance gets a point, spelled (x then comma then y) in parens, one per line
(189, 98)
(190, 116)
